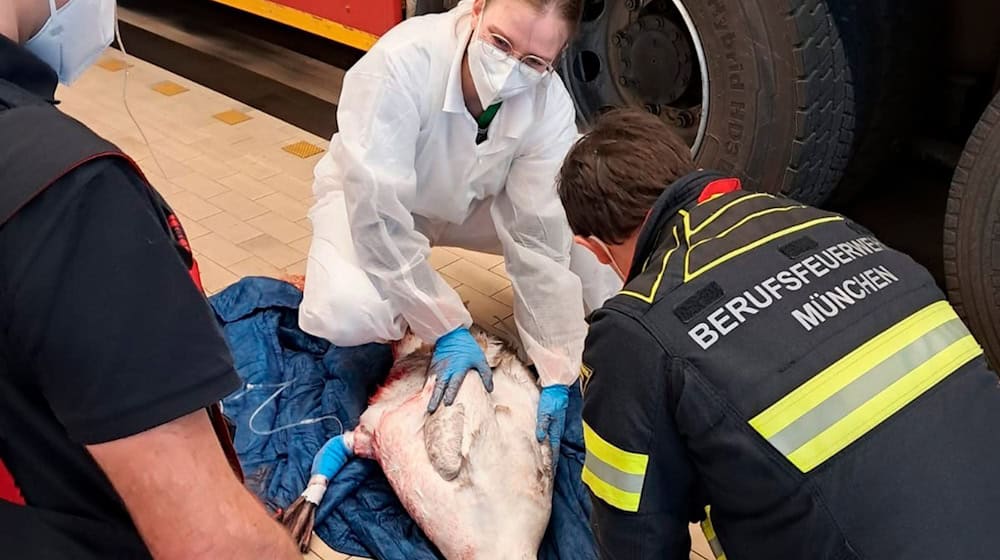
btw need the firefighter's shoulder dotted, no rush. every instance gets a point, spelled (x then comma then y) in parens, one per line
(621, 349)
(625, 379)
(625, 371)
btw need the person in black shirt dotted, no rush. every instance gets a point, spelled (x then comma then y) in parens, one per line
(109, 353)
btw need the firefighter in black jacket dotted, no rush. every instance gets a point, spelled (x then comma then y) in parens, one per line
(771, 370)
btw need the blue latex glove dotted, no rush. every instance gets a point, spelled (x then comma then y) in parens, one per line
(454, 355)
(552, 416)
(332, 457)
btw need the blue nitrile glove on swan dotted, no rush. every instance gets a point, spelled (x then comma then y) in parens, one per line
(331, 458)
(454, 355)
(552, 416)
(301, 514)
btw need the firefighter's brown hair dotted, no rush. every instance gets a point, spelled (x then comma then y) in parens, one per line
(613, 176)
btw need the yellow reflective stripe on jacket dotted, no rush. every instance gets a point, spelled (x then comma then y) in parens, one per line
(659, 278)
(711, 537)
(871, 383)
(689, 230)
(585, 373)
(612, 474)
(691, 275)
(746, 219)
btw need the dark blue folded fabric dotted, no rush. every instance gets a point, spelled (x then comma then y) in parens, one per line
(300, 390)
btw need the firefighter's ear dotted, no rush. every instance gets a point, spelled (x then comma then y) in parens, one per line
(594, 247)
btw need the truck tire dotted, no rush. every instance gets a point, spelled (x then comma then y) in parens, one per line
(972, 234)
(779, 97)
(889, 56)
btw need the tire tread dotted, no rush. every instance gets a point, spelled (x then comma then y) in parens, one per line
(824, 123)
(968, 277)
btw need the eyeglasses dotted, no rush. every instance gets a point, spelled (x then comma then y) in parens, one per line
(527, 64)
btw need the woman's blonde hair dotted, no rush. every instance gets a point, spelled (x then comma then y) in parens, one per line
(570, 11)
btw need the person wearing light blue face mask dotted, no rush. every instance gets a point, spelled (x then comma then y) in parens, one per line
(74, 36)
(452, 129)
(112, 444)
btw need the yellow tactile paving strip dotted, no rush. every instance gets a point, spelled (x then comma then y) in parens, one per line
(232, 117)
(241, 193)
(113, 64)
(303, 149)
(169, 88)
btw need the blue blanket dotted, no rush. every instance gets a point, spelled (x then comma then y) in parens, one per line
(300, 390)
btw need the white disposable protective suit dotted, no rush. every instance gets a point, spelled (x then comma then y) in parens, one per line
(404, 173)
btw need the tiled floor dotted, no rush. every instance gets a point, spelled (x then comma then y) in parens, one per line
(241, 195)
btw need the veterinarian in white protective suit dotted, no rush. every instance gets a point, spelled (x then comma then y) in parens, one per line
(452, 130)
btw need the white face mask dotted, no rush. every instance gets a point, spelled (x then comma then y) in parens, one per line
(495, 74)
(74, 36)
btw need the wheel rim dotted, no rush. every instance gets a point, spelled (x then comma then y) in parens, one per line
(642, 53)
